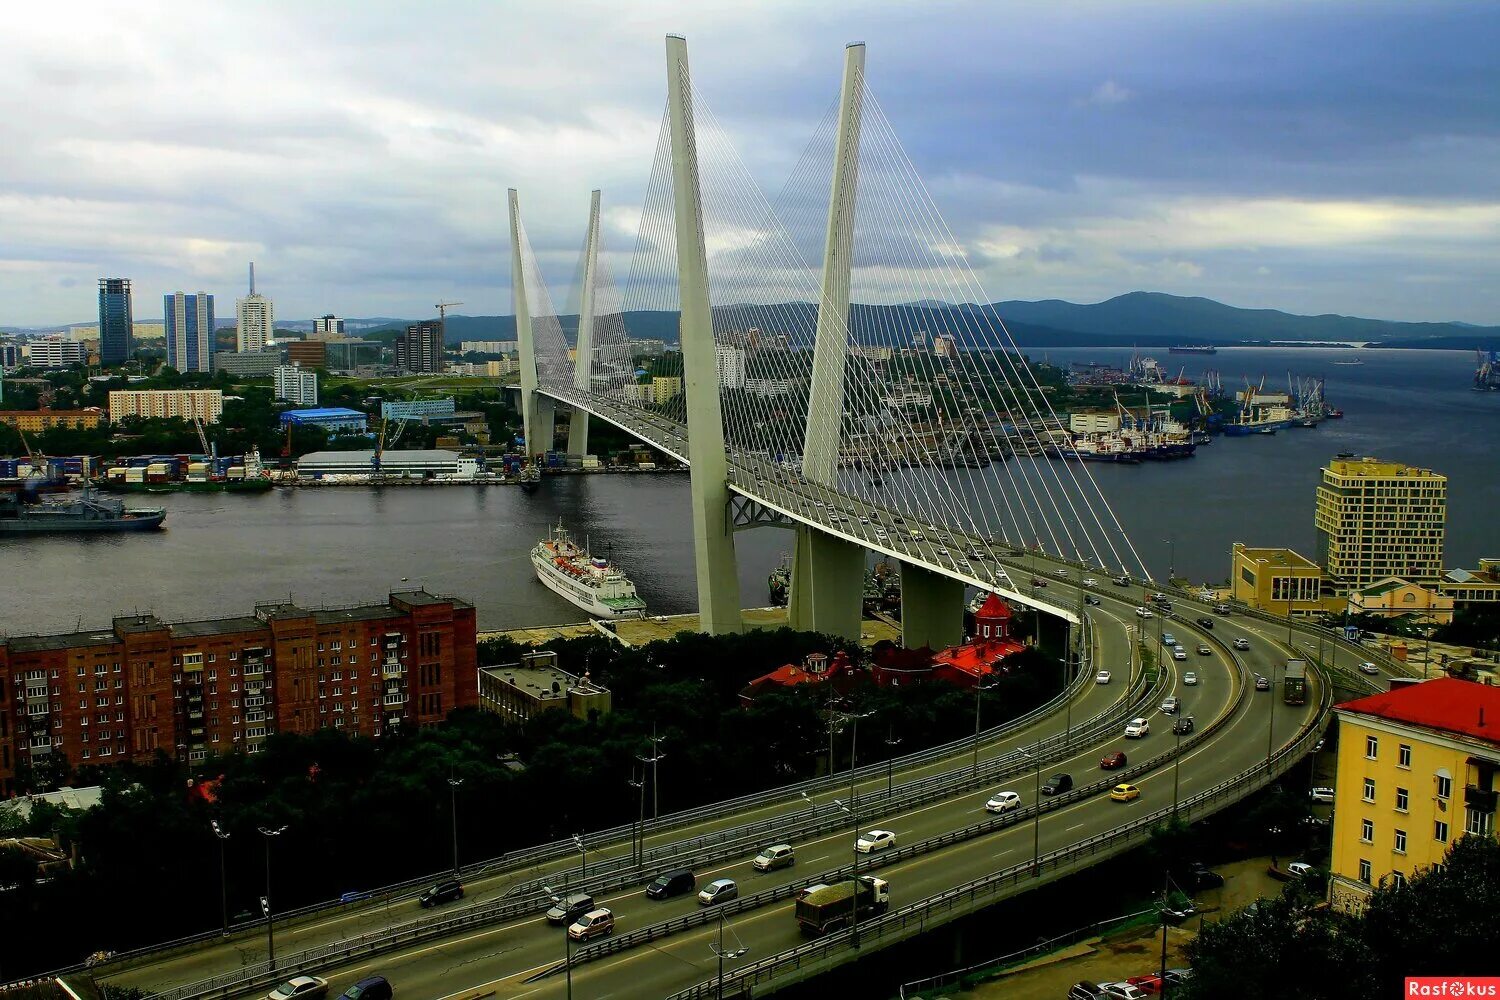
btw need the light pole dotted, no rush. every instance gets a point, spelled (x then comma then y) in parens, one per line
(567, 941)
(638, 846)
(979, 689)
(583, 850)
(656, 756)
(222, 835)
(1177, 760)
(453, 784)
(892, 741)
(265, 901)
(731, 954)
(1171, 541)
(1036, 813)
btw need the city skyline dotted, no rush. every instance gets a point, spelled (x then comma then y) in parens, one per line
(1080, 153)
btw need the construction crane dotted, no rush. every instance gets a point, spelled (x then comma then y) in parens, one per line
(379, 451)
(442, 308)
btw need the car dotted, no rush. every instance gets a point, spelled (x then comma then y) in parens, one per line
(1170, 705)
(1156, 596)
(1103, 677)
(595, 923)
(566, 909)
(1174, 913)
(1003, 802)
(1205, 878)
(300, 987)
(1190, 679)
(1057, 784)
(1318, 746)
(1321, 794)
(1300, 869)
(874, 840)
(1085, 990)
(1061, 574)
(1121, 991)
(1204, 650)
(1178, 653)
(1179, 977)
(1091, 600)
(773, 857)
(1242, 643)
(369, 988)
(1089, 581)
(1204, 622)
(1168, 639)
(1112, 762)
(1165, 607)
(1037, 581)
(1124, 792)
(672, 883)
(1262, 682)
(1136, 728)
(1150, 983)
(443, 892)
(1183, 726)
(1316, 821)
(943, 552)
(1366, 667)
(720, 890)
(1121, 581)
(1144, 613)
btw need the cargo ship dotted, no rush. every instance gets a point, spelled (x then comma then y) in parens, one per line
(186, 474)
(779, 583)
(530, 478)
(1192, 349)
(85, 514)
(587, 581)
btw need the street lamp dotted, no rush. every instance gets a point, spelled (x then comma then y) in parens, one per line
(892, 741)
(567, 940)
(265, 901)
(1171, 541)
(979, 689)
(453, 784)
(733, 954)
(583, 868)
(656, 756)
(222, 836)
(638, 846)
(1177, 760)
(1036, 810)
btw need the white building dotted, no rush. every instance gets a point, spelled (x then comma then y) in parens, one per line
(411, 464)
(945, 345)
(731, 364)
(295, 385)
(1094, 421)
(768, 387)
(255, 320)
(205, 404)
(55, 352)
(486, 346)
(325, 326)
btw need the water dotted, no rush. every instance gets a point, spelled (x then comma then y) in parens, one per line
(220, 554)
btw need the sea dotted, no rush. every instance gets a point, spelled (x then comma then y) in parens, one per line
(220, 554)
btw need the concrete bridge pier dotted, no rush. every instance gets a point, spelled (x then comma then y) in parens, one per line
(932, 609)
(827, 585)
(538, 412)
(583, 363)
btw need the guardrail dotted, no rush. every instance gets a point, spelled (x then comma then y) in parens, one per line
(938, 909)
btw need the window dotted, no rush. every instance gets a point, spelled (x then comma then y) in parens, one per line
(1480, 824)
(1372, 747)
(1403, 755)
(212, 657)
(1401, 800)
(1364, 871)
(1440, 831)
(1400, 841)
(1444, 785)
(1369, 789)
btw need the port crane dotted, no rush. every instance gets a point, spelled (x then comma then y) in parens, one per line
(211, 450)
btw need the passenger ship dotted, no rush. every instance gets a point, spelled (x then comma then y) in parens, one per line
(588, 581)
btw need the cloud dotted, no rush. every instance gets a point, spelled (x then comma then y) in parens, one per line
(1108, 93)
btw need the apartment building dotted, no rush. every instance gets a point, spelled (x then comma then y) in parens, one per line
(41, 420)
(205, 404)
(1381, 519)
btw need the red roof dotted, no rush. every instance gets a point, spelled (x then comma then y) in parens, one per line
(789, 675)
(1446, 704)
(978, 658)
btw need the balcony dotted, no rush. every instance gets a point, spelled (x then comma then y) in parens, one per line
(392, 669)
(40, 708)
(394, 698)
(253, 669)
(255, 717)
(1480, 800)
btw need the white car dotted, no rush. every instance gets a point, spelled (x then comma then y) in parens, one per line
(1368, 668)
(942, 552)
(1299, 869)
(1322, 794)
(1121, 991)
(880, 534)
(1242, 644)
(1003, 802)
(1178, 653)
(1189, 678)
(875, 840)
(1089, 581)
(1144, 613)
(300, 986)
(1137, 728)
(1102, 677)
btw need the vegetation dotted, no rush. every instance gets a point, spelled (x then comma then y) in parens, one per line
(362, 813)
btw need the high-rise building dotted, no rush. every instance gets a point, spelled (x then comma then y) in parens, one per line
(731, 365)
(308, 353)
(254, 320)
(115, 321)
(329, 324)
(190, 331)
(420, 348)
(1380, 519)
(55, 352)
(296, 385)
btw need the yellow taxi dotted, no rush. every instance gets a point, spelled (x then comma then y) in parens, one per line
(1124, 792)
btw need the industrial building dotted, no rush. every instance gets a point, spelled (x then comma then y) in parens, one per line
(248, 364)
(204, 404)
(417, 409)
(518, 691)
(333, 419)
(1381, 519)
(417, 463)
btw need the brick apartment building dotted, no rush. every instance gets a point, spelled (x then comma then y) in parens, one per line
(190, 689)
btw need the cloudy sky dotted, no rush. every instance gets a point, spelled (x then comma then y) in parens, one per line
(1330, 157)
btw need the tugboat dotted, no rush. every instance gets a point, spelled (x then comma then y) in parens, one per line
(585, 580)
(19, 515)
(530, 478)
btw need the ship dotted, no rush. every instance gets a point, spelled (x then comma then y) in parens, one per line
(779, 583)
(587, 581)
(189, 486)
(1192, 349)
(87, 513)
(186, 474)
(530, 478)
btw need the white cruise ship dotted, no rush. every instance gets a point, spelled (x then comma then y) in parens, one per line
(588, 581)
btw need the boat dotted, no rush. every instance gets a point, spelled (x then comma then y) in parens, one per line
(33, 481)
(1346, 454)
(779, 583)
(585, 580)
(87, 513)
(257, 485)
(1354, 361)
(1192, 349)
(530, 478)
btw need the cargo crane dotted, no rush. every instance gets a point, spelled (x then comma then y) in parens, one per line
(211, 450)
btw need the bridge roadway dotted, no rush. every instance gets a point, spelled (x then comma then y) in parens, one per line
(505, 952)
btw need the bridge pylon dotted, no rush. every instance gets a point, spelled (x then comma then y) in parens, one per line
(538, 412)
(932, 608)
(713, 529)
(827, 585)
(583, 356)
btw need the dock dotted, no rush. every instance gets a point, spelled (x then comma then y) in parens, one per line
(640, 631)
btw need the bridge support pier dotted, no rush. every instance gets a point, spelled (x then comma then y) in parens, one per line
(932, 609)
(713, 530)
(538, 412)
(827, 586)
(583, 356)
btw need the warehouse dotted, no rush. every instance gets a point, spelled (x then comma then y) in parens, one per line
(414, 464)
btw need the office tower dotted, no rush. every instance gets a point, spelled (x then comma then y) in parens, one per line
(328, 325)
(1380, 519)
(420, 348)
(190, 331)
(255, 319)
(115, 321)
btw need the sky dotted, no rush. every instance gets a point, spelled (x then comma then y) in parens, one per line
(1329, 157)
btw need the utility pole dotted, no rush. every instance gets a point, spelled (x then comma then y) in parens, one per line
(638, 840)
(656, 756)
(892, 741)
(453, 784)
(222, 835)
(265, 901)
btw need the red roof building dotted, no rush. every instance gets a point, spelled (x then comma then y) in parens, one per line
(816, 669)
(1446, 705)
(992, 620)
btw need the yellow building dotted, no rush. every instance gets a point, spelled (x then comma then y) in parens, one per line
(205, 404)
(1393, 598)
(1380, 519)
(41, 420)
(1416, 770)
(1281, 581)
(664, 388)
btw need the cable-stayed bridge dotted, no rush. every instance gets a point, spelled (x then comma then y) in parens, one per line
(844, 399)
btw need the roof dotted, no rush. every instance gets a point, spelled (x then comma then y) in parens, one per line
(1385, 586)
(1278, 557)
(1447, 705)
(1375, 468)
(993, 607)
(978, 658)
(317, 412)
(67, 640)
(389, 457)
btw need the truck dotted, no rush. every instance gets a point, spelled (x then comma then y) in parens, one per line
(833, 907)
(1294, 683)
